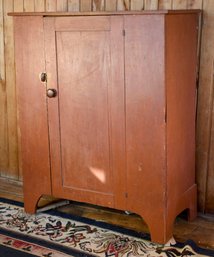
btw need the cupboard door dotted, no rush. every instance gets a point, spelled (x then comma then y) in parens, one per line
(84, 62)
(145, 114)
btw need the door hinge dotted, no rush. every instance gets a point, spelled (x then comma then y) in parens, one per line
(165, 116)
(124, 32)
(43, 77)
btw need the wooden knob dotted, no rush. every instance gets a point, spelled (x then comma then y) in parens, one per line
(51, 92)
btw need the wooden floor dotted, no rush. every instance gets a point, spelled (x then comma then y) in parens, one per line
(201, 230)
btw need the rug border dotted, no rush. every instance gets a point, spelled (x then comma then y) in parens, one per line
(46, 244)
(104, 225)
(14, 252)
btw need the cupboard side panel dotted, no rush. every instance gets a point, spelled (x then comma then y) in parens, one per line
(145, 113)
(181, 64)
(31, 96)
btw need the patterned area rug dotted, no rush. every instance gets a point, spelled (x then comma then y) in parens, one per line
(53, 234)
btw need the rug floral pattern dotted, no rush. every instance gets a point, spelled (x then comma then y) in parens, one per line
(90, 239)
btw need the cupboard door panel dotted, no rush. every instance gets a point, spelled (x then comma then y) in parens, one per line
(83, 141)
(83, 61)
(145, 112)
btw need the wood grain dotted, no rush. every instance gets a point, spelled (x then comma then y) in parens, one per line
(50, 5)
(151, 4)
(123, 5)
(111, 5)
(2, 58)
(73, 5)
(3, 102)
(11, 93)
(85, 5)
(137, 5)
(39, 5)
(164, 4)
(195, 4)
(209, 193)
(179, 4)
(205, 99)
(29, 6)
(98, 5)
(18, 5)
(62, 5)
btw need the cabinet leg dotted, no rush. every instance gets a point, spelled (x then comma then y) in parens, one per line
(161, 230)
(192, 204)
(30, 203)
(192, 212)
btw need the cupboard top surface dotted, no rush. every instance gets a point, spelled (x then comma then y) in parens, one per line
(165, 12)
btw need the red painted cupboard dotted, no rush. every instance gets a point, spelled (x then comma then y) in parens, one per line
(111, 121)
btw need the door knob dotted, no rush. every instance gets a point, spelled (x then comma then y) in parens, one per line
(51, 92)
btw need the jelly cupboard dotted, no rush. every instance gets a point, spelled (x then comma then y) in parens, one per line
(107, 110)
